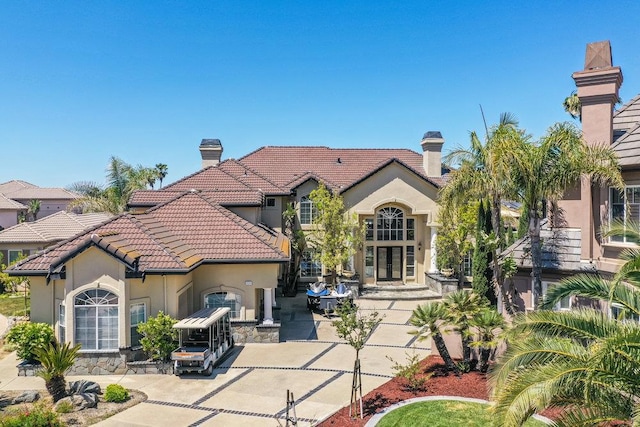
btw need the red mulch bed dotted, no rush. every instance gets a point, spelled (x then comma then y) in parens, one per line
(473, 384)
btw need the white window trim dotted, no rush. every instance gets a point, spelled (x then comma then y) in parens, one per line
(610, 240)
(558, 305)
(73, 309)
(15, 251)
(146, 315)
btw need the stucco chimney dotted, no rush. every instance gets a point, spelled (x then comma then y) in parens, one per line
(598, 86)
(432, 142)
(211, 151)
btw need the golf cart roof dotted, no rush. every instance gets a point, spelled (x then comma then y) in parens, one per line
(203, 318)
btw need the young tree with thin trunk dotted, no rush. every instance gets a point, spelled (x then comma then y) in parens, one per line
(336, 234)
(355, 328)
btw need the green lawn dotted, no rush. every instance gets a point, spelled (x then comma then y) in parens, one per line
(13, 304)
(443, 413)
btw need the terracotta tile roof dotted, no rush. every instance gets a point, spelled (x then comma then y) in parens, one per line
(52, 228)
(175, 236)
(228, 175)
(6, 203)
(285, 166)
(150, 198)
(40, 193)
(16, 184)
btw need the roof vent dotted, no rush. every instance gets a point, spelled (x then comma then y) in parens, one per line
(339, 160)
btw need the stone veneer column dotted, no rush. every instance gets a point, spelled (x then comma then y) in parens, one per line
(268, 307)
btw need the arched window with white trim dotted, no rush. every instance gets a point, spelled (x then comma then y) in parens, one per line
(96, 320)
(224, 299)
(390, 224)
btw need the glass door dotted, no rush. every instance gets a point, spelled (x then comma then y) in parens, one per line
(389, 263)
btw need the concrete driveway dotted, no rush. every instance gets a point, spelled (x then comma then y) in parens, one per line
(249, 388)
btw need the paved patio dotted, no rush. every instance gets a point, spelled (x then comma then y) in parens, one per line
(249, 388)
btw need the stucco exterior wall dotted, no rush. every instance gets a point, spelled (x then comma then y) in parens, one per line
(272, 216)
(251, 214)
(48, 206)
(8, 218)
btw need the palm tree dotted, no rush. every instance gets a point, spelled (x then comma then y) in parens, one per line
(488, 325)
(573, 106)
(461, 308)
(161, 170)
(484, 169)
(56, 359)
(428, 318)
(584, 361)
(33, 208)
(122, 180)
(543, 171)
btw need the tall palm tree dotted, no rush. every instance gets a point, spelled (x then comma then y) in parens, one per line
(428, 319)
(56, 359)
(161, 170)
(543, 171)
(461, 308)
(584, 361)
(484, 169)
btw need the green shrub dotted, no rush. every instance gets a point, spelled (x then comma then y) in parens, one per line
(38, 416)
(64, 407)
(116, 393)
(159, 338)
(27, 337)
(410, 371)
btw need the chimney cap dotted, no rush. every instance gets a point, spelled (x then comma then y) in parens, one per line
(210, 143)
(432, 134)
(598, 56)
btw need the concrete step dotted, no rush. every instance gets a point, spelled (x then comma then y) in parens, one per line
(398, 292)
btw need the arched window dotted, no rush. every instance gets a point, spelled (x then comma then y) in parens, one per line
(96, 319)
(224, 299)
(390, 224)
(308, 211)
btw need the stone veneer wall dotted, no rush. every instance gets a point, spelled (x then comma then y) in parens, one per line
(250, 332)
(128, 361)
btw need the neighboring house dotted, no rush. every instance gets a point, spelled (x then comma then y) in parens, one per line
(214, 239)
(30, 237)
(52, 200)
(571, 238)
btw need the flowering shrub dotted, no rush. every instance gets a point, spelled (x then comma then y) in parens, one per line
(38, 416)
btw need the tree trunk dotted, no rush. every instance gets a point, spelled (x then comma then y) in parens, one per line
(484, 359)
(536, 257)
(497, 280)
(56, 387)
(444, 352)
(466, 349)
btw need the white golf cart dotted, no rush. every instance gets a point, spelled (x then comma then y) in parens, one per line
(204, 338)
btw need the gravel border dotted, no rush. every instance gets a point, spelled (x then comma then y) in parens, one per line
(373, 421)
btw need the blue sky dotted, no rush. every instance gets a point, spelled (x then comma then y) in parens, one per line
(146, 81)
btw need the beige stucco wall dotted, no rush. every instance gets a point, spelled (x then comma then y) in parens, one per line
(272, 216)
(47, 207)
(8, 218)
(234, 278)
(251, 214)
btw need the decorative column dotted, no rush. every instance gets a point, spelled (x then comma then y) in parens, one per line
(273, 297)
(268, 307)
(433, 266)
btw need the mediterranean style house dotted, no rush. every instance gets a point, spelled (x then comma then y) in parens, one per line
(215, 238)
(15, 197)
(572, 242)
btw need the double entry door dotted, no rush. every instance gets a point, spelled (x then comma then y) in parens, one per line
(389, 262)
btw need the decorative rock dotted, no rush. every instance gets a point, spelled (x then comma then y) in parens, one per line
(79, 401)
(27, 397)
(84, 386)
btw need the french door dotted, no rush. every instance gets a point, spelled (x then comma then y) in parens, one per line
(389, 263)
